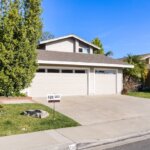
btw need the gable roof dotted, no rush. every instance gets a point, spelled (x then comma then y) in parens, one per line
(142, 56)
(69, 36)
(79, 59)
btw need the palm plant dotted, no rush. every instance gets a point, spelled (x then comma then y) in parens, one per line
(137, 75)
(109, 53)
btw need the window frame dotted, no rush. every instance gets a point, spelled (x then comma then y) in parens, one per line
(79, 71)
(80, 48)
(53, 70)
(67, 71)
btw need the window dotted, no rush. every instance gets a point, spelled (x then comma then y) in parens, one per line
(99, 72)
(53, 70)
(86, 50)
(80, 50)
(67, 71)
(105, 72)
(109, 72)
(79, 71)
(41, 70)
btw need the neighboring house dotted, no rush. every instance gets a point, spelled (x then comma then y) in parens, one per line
(68, 66)
(146, 57)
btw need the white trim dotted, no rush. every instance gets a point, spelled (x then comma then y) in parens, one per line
(116, 81)
(69, 36)
(88, 81)
(63, 67)
(94, 82)
(83, 64)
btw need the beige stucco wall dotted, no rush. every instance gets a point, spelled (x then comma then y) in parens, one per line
(66, 45)
(119, 81)
(91, 81)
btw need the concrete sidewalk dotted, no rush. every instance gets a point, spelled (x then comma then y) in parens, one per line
(83, 136)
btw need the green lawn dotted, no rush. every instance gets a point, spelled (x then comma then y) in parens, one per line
(140, 94)
(11, 122)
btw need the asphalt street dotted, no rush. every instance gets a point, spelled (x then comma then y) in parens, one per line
(140, 145)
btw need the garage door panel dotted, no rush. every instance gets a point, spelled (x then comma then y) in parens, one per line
(62, 83)
(105, 83)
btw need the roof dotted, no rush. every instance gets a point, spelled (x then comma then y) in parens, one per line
(66, 58)
(66, 37)
(143, 56)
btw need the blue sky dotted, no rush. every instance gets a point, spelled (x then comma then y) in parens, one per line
(122, 25)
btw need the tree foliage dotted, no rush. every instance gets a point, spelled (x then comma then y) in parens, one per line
(99, 44)
(109, 53)
(137, 75)
(20, 30)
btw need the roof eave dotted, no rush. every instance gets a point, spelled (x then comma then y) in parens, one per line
(85, 64)
(69, 36)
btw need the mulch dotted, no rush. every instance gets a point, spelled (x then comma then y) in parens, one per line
(16, 100)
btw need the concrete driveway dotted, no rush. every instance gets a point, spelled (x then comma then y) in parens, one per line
(104, 119)
(88, 110)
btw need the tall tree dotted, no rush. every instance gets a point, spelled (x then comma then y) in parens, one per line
(99, 44)
(20, 30)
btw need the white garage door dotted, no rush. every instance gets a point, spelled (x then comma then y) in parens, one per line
(105, 82)
(60, 81)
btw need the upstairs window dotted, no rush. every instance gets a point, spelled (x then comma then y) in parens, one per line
(80, 50)
(84, 50)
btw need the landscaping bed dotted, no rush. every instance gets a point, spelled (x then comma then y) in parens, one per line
(15, 98)
(140, 94)
(12, 122)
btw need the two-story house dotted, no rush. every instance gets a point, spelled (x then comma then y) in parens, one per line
(68, 66)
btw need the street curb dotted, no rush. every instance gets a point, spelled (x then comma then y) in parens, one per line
(82, 146)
